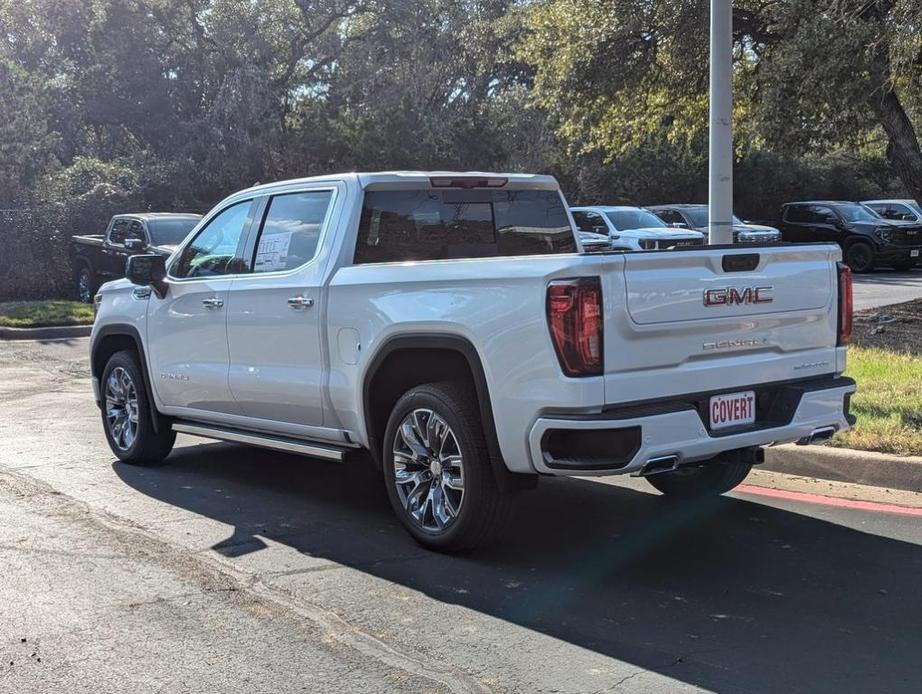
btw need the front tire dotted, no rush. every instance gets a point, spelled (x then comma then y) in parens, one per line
(696, 481)
(437, 469)
(126, 415)
(860, 257)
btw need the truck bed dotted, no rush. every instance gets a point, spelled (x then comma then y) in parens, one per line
(89, 239)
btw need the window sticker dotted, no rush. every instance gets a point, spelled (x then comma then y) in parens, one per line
(272, 253)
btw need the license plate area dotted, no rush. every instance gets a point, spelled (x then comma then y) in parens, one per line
(914, 253)
(732, 410)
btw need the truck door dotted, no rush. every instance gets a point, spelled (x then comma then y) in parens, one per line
(824, 225)
(187, 328)
(274, 314)
(112, 263)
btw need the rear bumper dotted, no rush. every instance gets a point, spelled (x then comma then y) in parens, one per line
(625, 441)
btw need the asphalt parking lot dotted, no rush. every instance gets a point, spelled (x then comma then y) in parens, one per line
(883, 287)
(231, 568)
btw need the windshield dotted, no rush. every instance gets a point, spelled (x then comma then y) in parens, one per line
(698, 216)
(857, 213)
(170, 232)
(635, 219)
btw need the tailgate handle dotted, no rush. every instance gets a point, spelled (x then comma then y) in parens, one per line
(743, 262)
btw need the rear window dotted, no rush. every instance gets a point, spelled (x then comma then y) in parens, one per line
(170, 232)
(410, 225)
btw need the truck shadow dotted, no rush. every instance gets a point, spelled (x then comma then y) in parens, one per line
(728, 595)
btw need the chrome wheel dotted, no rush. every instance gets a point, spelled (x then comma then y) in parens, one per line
(121, 408)
(428, 470)
(84, 293)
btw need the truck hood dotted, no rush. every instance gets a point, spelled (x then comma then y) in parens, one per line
(754, 227)
(658, 233)
(166, 249)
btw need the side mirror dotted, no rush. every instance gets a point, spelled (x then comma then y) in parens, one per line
(148, 271)
(134, 244)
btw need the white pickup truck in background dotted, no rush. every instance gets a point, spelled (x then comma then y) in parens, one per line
(448, 324)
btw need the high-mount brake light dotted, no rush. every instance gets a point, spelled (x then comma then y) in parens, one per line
(468, 182)
(846, 304)
(574, 316)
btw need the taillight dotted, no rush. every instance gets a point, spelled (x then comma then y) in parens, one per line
(574, 316)
(846, 304)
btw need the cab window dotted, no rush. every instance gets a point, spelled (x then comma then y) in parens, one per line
(119, 232)
(590, 222)
(217, 248)
(291, 230)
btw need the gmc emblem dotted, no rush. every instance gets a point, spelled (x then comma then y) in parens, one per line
(731, 296)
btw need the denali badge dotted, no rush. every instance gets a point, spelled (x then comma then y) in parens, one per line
(173, 377)
(735, 344)
(731, 295)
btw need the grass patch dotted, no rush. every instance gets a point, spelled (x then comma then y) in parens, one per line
(40, 314)
(888, 403)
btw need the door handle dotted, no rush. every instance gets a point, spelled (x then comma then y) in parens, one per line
(300, 302)
(213, 303)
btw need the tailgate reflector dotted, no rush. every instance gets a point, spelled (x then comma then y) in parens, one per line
(574, 316)
(846, 304)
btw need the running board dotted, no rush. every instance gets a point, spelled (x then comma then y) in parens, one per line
(276, 443)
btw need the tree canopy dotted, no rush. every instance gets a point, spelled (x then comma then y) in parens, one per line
(172, 104)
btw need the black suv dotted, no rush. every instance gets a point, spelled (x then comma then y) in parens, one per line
(866, 238)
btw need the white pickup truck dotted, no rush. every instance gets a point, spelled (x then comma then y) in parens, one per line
(448, 324)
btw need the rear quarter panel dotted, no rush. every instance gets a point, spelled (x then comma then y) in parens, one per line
(498, 305)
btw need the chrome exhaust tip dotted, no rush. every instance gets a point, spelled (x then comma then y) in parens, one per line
(817, 436)
(665, 463)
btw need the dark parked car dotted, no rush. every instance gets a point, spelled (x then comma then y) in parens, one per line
(99, 258)
(866, 238)
(695, 216)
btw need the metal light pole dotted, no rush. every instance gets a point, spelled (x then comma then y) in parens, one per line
(720, 149)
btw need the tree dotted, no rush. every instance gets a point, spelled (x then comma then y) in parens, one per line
(811, 75)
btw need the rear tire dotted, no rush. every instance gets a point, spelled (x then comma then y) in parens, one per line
(437, 469)
(126, 414)
(860, 257)
(696, 481)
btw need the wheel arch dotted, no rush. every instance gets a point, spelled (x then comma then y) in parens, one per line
(110, 339)
(384, 382)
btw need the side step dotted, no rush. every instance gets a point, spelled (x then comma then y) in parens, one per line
(277, 443)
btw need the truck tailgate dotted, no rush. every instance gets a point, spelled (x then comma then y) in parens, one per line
(708, 320)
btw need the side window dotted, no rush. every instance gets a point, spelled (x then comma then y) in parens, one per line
(596, 224)
(217, 249)
(798, 213)
(135, 231)
(823, 215)
(901, 212)
(290, 230)
(582, 221)
(670, 217)
(119, 232)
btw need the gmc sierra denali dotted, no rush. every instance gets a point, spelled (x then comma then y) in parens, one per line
(449, 325)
